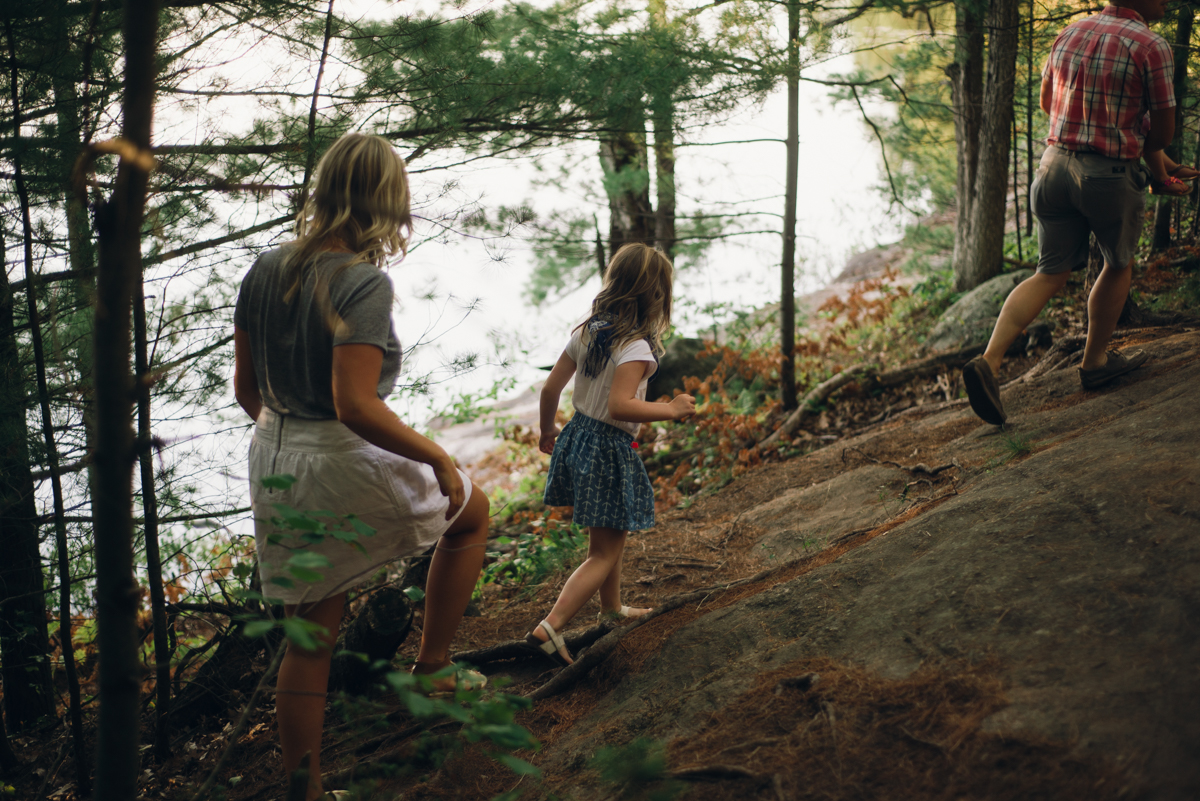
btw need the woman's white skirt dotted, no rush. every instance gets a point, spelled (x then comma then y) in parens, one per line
(337, 473)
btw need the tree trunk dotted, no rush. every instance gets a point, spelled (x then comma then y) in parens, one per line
(8, 760)
(24, 642)
(1165, 206)
(378, 631)
(1029, 106)
(118, 226)
(662, 104)
(664, 175)
(82, 261)
(982, 255)
(966, 91)
(23, 635)
(787, 267)
(158, 611)
(627, 184)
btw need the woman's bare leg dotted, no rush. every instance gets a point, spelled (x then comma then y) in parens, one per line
(300, 690)
(453, 573)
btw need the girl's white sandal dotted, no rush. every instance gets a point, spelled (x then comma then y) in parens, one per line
(550, 648)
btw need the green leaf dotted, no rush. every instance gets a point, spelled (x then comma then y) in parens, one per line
(308, 559)
(517, 766)
(282, 481)
(257, 628)
(414, 594)
(283, 581)
(419, 705)
(300, 631)
(306, 575)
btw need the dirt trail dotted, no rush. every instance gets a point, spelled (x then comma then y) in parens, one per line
(1038, 602)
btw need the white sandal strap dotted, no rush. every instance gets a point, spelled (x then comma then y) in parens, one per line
(555, 642)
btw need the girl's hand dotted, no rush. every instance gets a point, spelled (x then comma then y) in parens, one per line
(450, 483)
(682, 406)
(546, 441)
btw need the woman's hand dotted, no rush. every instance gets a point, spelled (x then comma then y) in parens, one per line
(546, 442)
(450, 483)
(682, 406)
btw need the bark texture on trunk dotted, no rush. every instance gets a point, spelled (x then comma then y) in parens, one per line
(983, 247)
(662, 103)
(118, 226)
(787, 267)
(24, 642)
(627, 184)
(966, 90)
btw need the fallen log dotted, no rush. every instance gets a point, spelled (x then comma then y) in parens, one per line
(818, 395)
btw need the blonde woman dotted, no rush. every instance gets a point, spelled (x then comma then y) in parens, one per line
(316, 353)
(593, 464)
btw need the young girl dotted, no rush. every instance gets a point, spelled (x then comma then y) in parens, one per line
(315, 354)
(593, 466)
(1167, 177)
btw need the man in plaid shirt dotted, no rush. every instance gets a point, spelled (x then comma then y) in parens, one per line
(1107, 76)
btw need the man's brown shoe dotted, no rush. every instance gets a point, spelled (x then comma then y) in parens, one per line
(1118, 364)
(983, 391)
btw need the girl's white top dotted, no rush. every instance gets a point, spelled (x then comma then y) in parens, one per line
(591, 394)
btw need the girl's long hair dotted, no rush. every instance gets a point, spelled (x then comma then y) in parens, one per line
(634, 304)
(360, 195)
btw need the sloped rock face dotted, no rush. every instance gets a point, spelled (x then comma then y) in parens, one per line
(1068, 553)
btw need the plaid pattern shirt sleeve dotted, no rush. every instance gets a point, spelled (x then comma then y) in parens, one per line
(1107, 71)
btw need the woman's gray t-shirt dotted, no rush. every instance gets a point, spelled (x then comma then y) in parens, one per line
(292, 342)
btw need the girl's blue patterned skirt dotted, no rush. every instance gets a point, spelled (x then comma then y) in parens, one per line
(595, 468)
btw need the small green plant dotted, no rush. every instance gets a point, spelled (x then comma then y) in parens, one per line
(1016, 445)
(536, 555)
(638, 771)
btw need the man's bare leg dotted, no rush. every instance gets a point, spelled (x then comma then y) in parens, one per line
(1020, 308)
(1104, 309)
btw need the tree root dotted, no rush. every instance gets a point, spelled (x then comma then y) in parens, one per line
(1059, 355)
(519, 649)
(918, 469)
(703, 773)
(816, 396)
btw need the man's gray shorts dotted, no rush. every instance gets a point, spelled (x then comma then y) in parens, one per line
(1075, 193)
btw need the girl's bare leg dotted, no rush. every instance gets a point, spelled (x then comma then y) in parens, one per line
(605, 546)
(610, 591)
(300, 690)
(452, 576)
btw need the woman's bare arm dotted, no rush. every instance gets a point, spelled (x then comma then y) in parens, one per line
(356, 400)
(245, 382)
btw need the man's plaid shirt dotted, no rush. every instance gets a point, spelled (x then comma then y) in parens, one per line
(1107, 70)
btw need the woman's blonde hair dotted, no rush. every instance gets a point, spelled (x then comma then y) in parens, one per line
(636, 299)
(360, 196)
